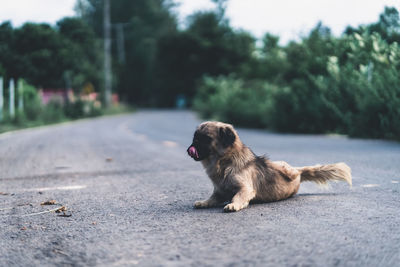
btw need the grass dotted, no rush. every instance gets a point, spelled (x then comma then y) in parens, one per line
(114, 110)
(119, 109)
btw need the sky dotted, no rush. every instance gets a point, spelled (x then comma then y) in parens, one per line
(289, 19)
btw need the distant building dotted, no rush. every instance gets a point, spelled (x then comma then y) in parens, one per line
(58, 95)
(62, 95)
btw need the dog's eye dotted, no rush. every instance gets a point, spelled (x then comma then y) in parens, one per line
(201, 138)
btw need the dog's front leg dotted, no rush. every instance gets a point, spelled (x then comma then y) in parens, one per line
(241, 199)
(214, 200)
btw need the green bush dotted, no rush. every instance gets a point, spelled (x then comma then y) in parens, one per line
(364, 91)
(353, 89)
(83, 108)
(53, 112)
(32, 103)
(232, 100)
(74, 110)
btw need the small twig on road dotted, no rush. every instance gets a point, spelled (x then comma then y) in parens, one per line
(59, 209)
(18, 205)
(59, 251)
(24, 204)
(63, 210)
(49, 202)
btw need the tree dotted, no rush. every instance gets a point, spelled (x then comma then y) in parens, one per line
(272, 63)
(38, 49)
(178, 59)
(65, 56)
(82, 54)
(388, 26)
(209, 46)
(7, 57)
(145, 23)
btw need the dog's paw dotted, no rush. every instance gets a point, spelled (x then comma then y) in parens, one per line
(232, 207)
(201, 204)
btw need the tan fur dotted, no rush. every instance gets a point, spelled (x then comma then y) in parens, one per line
(240, 176)
(322, 174)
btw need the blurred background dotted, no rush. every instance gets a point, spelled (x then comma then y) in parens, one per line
(289, 66)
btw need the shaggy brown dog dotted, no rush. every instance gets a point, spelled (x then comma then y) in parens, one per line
(239, 176)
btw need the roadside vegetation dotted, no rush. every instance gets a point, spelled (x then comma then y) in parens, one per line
(57, 72)
(320, 84)
(348, 85)
(57, 110)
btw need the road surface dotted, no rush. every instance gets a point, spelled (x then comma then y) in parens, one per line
(129, 187)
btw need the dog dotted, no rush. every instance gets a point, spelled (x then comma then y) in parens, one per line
(239, 176)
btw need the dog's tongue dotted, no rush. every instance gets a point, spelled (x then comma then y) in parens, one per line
(193, 152)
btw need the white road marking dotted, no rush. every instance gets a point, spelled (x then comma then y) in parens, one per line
(70, 187)
(169, 143)
(370, 185)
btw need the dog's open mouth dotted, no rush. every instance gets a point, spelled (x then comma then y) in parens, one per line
(192, 151)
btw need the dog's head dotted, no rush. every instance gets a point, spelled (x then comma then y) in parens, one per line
(211, 138)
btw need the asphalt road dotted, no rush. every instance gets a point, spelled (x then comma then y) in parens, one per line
(129, 187)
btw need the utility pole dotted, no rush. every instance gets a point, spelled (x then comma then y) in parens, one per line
(121, 41)
(107, 54)
(12, 97)
(1, 99)
(20, 96)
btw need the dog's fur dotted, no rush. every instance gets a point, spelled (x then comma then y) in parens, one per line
(239, 176)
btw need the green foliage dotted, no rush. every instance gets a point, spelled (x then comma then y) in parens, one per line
(144, 24)
(35, 113)
(232, 100)
(37, 48)
(388, 26)
(75, 110)
(82, 108)
(66, 56)
(81, 53)
(370, 80)
(32, 103)
(53, 112)
(161, 61)
(321, 84)
(209, 46)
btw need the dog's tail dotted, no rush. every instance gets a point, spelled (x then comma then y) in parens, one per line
(321, 174)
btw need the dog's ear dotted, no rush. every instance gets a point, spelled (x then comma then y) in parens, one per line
(226, 136)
